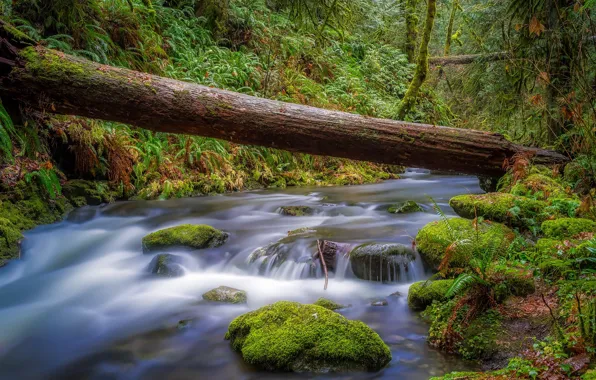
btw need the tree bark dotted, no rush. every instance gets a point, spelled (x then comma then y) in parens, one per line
(421, 72)
(55, 82)
(411, 19)
(449, 37)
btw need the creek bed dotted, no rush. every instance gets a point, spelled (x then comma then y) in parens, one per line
(81, 304)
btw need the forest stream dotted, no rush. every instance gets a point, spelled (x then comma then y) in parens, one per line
(82, 304)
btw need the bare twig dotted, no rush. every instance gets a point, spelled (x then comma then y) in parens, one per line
(323, 264)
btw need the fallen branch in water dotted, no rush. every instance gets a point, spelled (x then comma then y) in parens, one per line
(323, 264)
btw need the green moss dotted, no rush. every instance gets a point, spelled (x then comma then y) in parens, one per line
(567, 227)
(81, 192)
(288, 336)
(296, 210)
(404, 207)
(499, 207)
(539, 186)
(480, 336)
(433, 240)
(193, 236)
(328, 304)
(51, 65)
(511, 281)
(589, 375)
(423, 293)
(10, 236)
(225, 294)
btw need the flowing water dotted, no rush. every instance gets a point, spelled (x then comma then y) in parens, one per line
(82, 305)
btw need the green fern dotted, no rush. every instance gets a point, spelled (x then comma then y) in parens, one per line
(48, 179)
(7, 131)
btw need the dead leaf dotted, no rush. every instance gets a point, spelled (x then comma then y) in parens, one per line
(536, 27)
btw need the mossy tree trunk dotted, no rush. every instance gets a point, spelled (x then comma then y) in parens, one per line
(217, 14)
(411, 18)
(449, 37)
(421, 65)
(55, 82)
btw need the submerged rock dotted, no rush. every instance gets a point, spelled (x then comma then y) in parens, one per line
(296, 210)
(379, 303)
(380, 262)
(328, 304)
(288, 336)
(460, 235)
(498, 207)
(567, 227)
(190, 236)
(423, 293)
(167, 265)
(404, 207)
(225, 294)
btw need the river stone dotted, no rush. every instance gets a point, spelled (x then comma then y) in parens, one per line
(404, 207)
(189, 236)
(328, 304)
(225, 294)
(296, 210)
(288, 336)
(380, 262)
(379, 302)
(167, 265)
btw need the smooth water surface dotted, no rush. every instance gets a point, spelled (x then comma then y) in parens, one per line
(82, 304)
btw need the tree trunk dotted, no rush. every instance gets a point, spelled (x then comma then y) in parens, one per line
(450, 27)
(55, 82)
(422, 65)
(411, 28)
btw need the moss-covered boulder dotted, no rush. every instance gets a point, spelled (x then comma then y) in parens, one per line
(433, 240)
(404, 207)
(80, 192)
(296, 210)
(539, 186)
(423, 293)
(288, 336)
(189, 236)
(328, 304)
(505, 208)
(167, 265)
(225, 294)
(567, 227)
(380, 262)
(10, 237)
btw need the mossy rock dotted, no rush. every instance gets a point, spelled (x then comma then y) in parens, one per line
(288, 336)
(380, 262)
(589, 375)
(10, 238)
(81, 192)
(511, 281)
(405, 207)
(540, 187)
(423, 293)
(328, 304)
(570, 248)
(463, 376)
(225, 294)
(504, 208)
(190, 236)
(167, 265)
(296, 210)
(433, 240)
(567, 227)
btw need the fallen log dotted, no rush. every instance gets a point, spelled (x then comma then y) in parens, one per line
(55, 82)
(468, 58)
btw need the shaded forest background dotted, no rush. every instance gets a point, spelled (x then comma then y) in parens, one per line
(352, 55)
